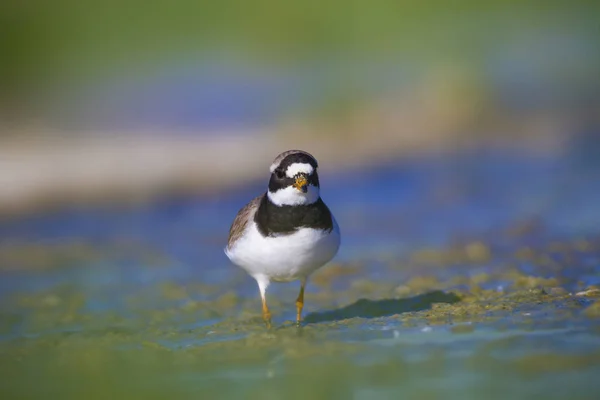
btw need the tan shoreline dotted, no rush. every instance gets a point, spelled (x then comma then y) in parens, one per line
(39, 171)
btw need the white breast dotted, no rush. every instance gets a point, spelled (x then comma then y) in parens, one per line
(286, 257)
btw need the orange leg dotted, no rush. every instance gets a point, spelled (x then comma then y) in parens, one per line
(266, 313)
(300, 303)
(263, 283)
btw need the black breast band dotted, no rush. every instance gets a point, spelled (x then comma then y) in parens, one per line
(281, 220)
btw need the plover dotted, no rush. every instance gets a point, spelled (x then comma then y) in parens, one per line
(286, 233)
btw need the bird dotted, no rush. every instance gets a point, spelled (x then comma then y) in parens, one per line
(287, 232)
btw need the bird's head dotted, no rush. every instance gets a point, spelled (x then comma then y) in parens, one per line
(294, 179)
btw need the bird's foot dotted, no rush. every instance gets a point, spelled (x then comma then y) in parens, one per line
(267, 318)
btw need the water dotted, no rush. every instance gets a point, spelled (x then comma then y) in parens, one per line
(461, 275)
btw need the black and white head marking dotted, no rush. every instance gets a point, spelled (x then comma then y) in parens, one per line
(294, 179)
(292, 200)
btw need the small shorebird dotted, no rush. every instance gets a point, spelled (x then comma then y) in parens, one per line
(286, 233)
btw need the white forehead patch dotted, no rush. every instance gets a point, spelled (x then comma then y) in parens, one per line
(297, 168)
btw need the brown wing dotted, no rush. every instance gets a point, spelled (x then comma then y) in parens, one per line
(241, 220)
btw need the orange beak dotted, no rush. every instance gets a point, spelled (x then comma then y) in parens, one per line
(301, 183)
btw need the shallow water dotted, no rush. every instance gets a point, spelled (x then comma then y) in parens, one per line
(460, 275)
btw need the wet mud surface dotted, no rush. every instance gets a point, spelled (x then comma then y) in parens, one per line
(460, 276)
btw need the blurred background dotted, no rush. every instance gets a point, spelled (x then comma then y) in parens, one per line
(138, 98)
(455, 140)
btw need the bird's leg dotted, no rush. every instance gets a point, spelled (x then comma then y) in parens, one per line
(265, 311)
(300, 303)
(263, 283)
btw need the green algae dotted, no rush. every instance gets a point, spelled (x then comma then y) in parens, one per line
(593, 311)
(40, 257)
(472, 253)
(305, 362)
(421, 297)
(360, 335)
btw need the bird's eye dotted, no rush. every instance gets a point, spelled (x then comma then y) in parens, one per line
(279, 174)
